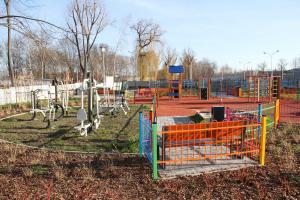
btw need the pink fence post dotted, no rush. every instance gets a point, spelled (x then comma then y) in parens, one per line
(228, 114)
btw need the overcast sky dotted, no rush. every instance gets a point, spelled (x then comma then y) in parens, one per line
(227, 31)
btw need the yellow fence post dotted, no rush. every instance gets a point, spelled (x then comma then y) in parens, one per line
(276, 113)
(263, 141)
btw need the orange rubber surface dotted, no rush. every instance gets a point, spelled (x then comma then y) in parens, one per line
(188, 106)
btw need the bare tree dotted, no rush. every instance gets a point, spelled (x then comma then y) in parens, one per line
(87, 20)
(282, 65)
(9, 43)
(147, 35)
(205, 68)
(169, 58)
(188, 59)
(262, 66)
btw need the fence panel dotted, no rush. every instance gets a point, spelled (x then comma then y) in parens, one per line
(290, 102)
(145, 136)
(22, 94)
(208, 143)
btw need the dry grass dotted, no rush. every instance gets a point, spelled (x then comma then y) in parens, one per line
(59, 173)
(282, 145)
(115, 176)
(84, 172)
(13, 156)
(27, 172)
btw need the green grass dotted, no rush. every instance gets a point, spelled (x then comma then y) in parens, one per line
(116, 133)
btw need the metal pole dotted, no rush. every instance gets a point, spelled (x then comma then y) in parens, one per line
(141, 134)
(90, 93)
(263, 141)
(154, 152)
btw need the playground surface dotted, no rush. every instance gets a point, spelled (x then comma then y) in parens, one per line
(188, 106)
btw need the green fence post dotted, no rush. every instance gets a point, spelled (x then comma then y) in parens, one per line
(141, 134)
(154, 151)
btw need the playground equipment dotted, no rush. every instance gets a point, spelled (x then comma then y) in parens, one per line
(204, 88)
(263, 85)
(175, 86)
(89, 120)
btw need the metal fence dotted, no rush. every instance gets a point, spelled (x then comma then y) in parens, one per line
(202, 144)
(145, 142)
(208, 143)
(290, 101)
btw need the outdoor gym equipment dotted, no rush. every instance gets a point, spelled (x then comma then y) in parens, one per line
(54, 110)
(89, 120)
(112, 99)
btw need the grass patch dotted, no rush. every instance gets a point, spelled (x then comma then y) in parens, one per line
(117, 133)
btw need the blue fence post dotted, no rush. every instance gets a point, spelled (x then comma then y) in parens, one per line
(259, 117)
(141, 133)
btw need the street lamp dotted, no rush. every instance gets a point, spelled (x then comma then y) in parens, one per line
(244, 68)
(103, 49)
(271, 56)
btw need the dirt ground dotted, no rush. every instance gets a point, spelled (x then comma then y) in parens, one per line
(38, 174)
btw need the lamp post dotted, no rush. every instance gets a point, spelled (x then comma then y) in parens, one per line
(247, 68)
(271, 57)
(103, 49)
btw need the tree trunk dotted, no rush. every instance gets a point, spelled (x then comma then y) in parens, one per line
(9, 56)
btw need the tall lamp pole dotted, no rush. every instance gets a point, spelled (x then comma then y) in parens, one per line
(247, 69)
(271, 57)
(103, 49)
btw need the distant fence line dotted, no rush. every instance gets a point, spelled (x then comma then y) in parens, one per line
(22, 94)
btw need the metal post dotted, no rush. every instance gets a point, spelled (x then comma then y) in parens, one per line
(263, 141)
(276, 113)
(90, 93)
(151, 116)
(259, 116)
(228, 114)
(154, 151)
(55, 90)
(141, 134)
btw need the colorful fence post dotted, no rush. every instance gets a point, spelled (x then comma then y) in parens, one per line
(228, 114)
(154, 151)
(141, 134)
(263, 141)
(259, 117)
(151, 116)
(276, 113)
